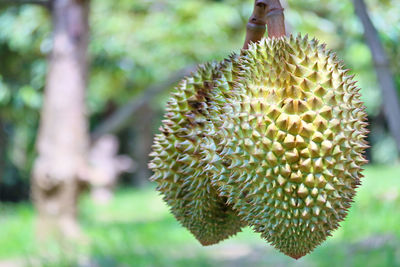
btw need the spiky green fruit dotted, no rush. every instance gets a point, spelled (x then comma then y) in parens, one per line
(291, 144)
(179, 162)
(281, 132)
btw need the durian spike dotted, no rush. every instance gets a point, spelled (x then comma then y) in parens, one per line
(268, 12)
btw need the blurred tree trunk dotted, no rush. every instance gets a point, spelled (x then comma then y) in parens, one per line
(2, 149)
(390, 98)
(62, 142)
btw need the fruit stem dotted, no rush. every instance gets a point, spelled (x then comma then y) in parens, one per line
(275, 19)
(268, 12)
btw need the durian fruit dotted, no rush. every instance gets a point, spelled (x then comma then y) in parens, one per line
(179, 162)
(291, 142)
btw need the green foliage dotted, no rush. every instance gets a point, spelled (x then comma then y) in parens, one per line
(136, 229)
(140, 44)
(137, 45)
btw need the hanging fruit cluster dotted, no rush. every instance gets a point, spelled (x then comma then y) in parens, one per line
(272, 138)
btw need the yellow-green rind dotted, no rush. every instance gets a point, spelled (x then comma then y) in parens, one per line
(179, 163)
(291, 146)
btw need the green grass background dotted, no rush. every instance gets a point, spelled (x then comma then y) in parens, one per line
(136, 229)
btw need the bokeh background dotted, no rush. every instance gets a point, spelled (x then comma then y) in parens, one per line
(138, 51)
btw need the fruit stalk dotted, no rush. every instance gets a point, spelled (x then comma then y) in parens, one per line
(268, 12)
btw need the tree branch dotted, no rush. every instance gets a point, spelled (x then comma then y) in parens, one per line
(45, 3)
(124, 115)
(390, 99)
(268, 12)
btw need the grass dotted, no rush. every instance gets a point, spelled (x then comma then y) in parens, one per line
(136, 229)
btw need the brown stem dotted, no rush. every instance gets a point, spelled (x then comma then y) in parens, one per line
(255, 28)
(275, 19)
(268, 12)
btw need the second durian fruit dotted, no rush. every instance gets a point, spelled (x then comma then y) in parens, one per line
(282, 145)
(179, 162)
